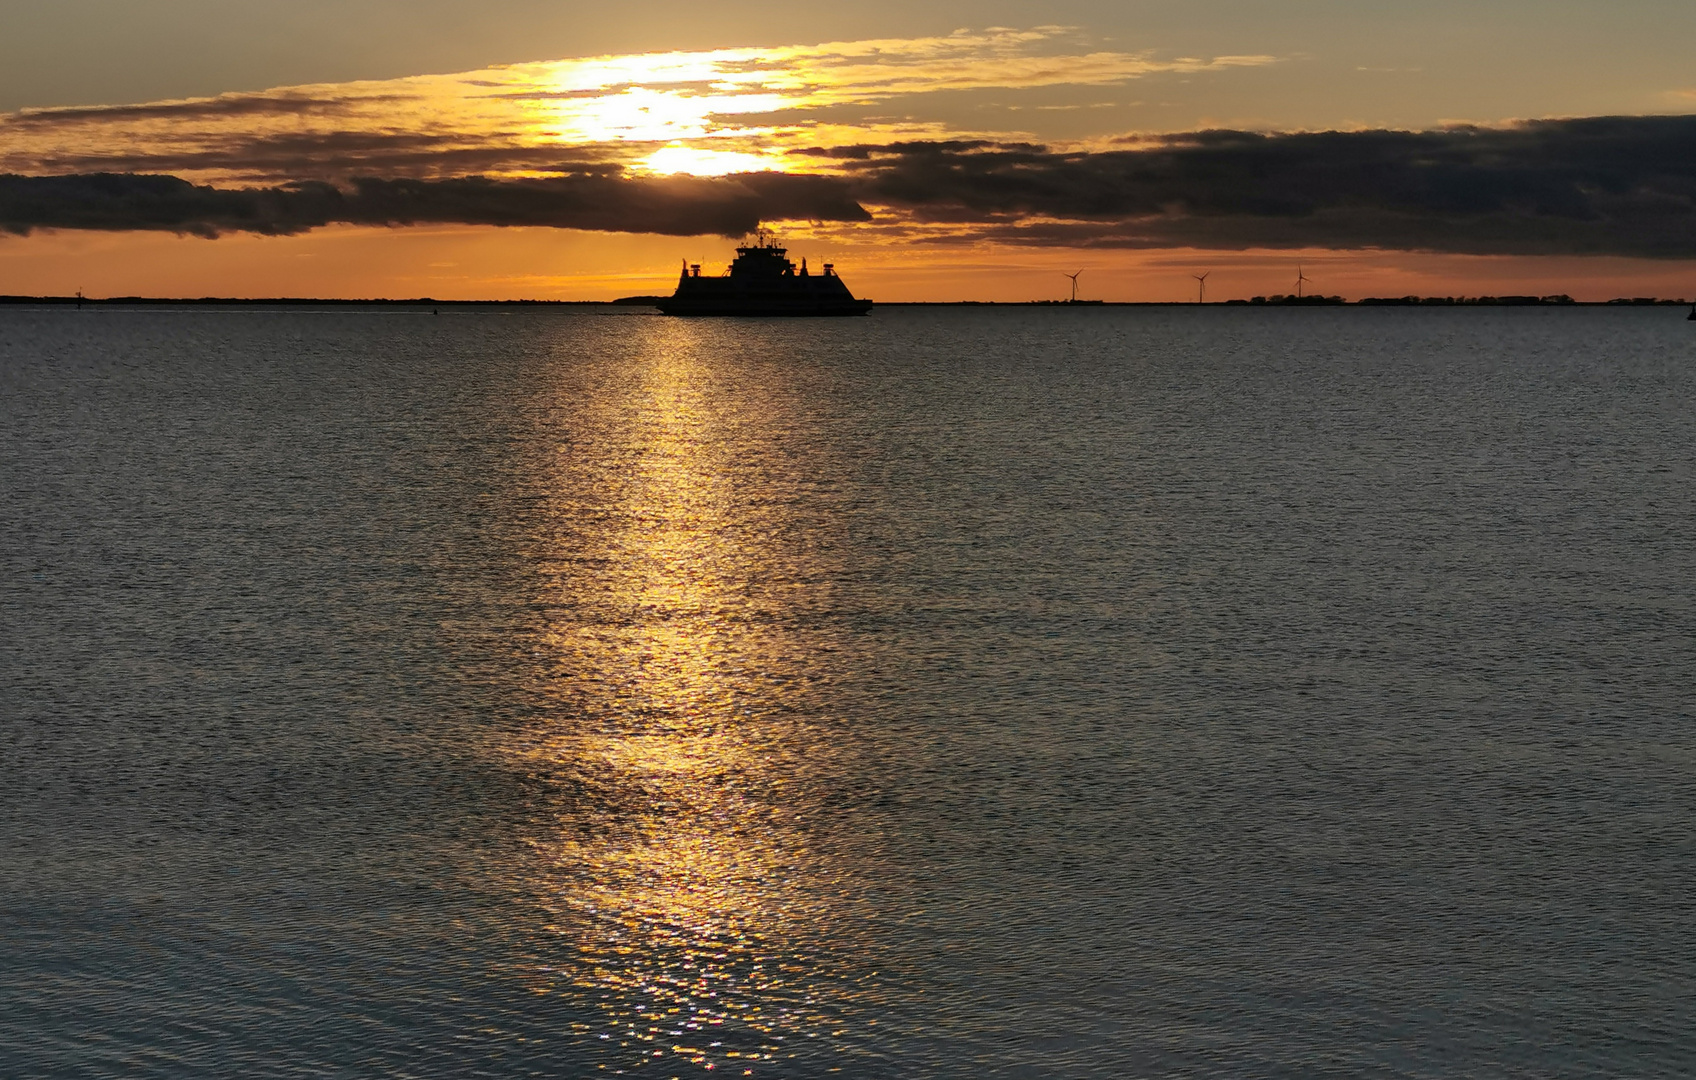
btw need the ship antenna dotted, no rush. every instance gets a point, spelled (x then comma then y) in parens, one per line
(1074, 278)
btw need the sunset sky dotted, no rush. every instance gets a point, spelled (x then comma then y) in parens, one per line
(934, 151)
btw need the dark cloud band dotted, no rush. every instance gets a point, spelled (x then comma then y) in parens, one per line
(676, 206)
(1606, 185)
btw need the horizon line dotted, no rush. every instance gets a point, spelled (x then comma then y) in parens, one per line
(1276, 300)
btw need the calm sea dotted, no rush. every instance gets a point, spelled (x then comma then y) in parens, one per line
(949, 693)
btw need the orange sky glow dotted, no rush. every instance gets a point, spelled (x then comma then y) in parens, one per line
(470, 263)
(711, 113)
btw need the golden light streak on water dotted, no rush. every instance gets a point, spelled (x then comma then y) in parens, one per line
(697, 918)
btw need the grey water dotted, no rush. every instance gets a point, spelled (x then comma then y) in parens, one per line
(996, 693)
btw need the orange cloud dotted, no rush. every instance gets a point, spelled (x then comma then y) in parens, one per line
(525, 119)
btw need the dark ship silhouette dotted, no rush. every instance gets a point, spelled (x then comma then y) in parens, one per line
(762, 281)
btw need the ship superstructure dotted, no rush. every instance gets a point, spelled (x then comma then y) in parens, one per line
(762, 281)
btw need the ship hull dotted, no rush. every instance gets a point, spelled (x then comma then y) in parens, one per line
(764, 307)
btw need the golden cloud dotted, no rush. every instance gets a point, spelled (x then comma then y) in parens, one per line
(726, 110)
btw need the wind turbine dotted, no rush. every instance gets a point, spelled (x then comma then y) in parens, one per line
(1201, 296)
(1300, 278)
(1074, 278)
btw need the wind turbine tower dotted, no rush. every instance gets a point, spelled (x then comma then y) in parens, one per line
(1301, 278)
(1074, 278)
(1201, 279)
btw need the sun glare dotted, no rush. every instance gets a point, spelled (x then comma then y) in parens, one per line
(671, 160)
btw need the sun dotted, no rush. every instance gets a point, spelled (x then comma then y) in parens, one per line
(674, 159)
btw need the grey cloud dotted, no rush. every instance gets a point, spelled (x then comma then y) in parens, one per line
(676, 206)
(323, 157)
(229, 105)
(1605, 185)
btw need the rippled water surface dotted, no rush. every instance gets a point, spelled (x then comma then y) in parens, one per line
(998, 693)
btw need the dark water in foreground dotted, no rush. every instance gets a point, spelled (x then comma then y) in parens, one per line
(964, 694)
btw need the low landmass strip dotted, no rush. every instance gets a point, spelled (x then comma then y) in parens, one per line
(648, 301)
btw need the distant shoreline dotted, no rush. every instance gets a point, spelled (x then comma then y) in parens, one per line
(646, 301)
(295, 301)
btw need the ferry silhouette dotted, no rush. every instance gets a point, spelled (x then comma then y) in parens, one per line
(762, 281)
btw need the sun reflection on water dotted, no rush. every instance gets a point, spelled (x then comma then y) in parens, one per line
(684, 890)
